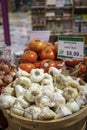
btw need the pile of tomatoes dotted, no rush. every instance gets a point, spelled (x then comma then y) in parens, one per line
(40, 54)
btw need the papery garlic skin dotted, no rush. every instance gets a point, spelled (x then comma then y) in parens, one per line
(23, 102)
(19, 90)
(48, 76)
(72, 82)
(6, 101)
(60, 81)
(32, 93)
(46, 114)
(24, 81)
(9, 91)
(81, 99)
(62, 111)
(72, 105)
(57, 99)
(37, 75)
(69, 93)
(83, 89)
(32, 112)
(17, 109)
(46, 91)
(43, 101)
(47, 82)
(21, 72)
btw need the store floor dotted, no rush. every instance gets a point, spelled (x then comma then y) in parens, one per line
(20, 27)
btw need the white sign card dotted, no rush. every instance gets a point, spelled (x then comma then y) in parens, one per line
(59, 3)
(71, 47)
(51, 2)
(40, 35)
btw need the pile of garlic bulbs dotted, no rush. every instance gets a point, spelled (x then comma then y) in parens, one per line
(44, 96)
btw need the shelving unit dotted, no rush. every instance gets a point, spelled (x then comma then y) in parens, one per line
(38, 14)
(62, 17)
(80, 19)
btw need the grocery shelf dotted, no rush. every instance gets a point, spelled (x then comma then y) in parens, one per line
(80, 7)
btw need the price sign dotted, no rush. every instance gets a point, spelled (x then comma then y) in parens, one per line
(71, 47)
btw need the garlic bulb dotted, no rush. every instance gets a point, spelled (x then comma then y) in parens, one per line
(32, 93)
(57, 99)
(36, 75)
(19, 90)
(83, 89)
(6, 101)
(73, 83)
(60, 82)
(47, 82)
(24, 81)
(32, 112)
(46, 114)
(43, 101)
(81, 99)
(62, 111)
(46, 91)
(21, 72)
(48, 76)
(23, 102)
(17, 109)
(72, 105)
(9, 90)
(70, 93)
(54, 72)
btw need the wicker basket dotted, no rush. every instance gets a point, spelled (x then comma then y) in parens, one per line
(76, 121)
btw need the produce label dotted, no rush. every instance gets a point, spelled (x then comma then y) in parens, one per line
(71, 47)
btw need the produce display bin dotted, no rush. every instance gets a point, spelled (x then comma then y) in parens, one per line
(76, 121)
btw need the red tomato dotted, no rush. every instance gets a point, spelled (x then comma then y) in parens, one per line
(46, 64)
(47, 54)
(37, 45)
(83, 68)
(37, 64)
(72, 63)
(85, 58)
(49, 45)
(29, 56)
(27, 66)
(60, 64)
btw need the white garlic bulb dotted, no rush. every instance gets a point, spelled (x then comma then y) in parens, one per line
(62, 111)
(57, 99)
(43, 101)
(46, 91)
(9, 90)
(83, 89)
(32, 93)
(47, 114)
(37, 75)
(6, 101)
(23, 102)
(24, 81)
(17, 109)
(47, 82)
(69, 93)
(72, 105)
(48, 76)
(21, 72)
(32, 112)
(81, 99)
(19, 91)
